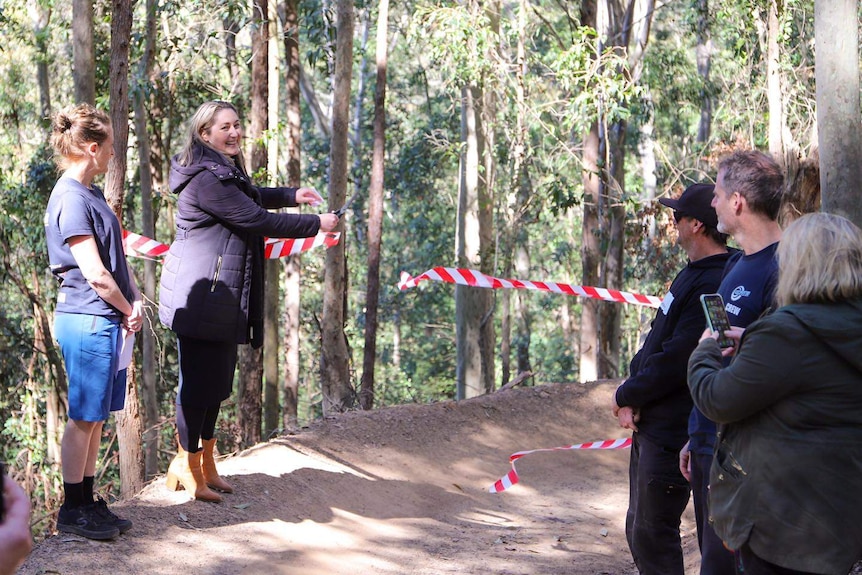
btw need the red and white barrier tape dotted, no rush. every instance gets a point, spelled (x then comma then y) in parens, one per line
(137, 245)
(277, 248)
(511, 478)
(478, 279)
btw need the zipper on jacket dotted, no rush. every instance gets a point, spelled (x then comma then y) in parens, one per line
(215, 277)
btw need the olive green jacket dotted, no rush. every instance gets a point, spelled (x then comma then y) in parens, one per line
(787, 473)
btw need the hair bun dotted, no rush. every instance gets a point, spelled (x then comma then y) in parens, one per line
(65, 124)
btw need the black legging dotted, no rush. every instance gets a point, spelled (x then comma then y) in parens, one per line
(194, 424)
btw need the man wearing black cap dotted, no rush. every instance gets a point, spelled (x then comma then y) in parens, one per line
(654, 402)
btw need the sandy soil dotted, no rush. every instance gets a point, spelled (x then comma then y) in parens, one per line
(396, 491)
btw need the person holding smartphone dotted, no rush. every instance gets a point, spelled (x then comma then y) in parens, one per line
(747, 199)
(654, 401)
(785, 480)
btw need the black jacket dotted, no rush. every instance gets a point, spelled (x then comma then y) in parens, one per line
(212, 279)
(657, 381)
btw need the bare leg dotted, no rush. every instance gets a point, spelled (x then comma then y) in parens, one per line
(80, 449)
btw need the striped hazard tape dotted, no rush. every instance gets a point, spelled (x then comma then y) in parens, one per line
(140, 246)
(478, 279)
(277, 248)
(511, 478)
(137, 245)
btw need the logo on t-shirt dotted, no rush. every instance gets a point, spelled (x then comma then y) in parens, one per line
(738, 292)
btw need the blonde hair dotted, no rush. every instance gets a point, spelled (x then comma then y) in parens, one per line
(73, 128)
(202, 121)
(819, 260)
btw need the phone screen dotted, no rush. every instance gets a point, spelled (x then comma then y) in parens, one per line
(716, 317)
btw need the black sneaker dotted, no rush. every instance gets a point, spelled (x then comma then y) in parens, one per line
(86, 522)
(109, 517)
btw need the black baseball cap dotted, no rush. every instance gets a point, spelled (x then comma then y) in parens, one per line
(695, 202)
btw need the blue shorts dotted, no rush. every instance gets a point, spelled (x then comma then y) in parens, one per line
(91, 351)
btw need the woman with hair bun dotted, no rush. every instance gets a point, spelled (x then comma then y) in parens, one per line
(96, 303)
(787, 471)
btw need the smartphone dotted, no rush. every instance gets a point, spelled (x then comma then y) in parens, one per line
(716, 317)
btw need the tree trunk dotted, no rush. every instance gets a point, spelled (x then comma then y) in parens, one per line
(290, 400)
(474, 307)
(704, 61)
(837, 77)
(231, 29)
(129, 428)
(469, 301)
(41, 18)
(375, 213)
(149, 396)
(487, 246)
(250, 390)
(251, 360)
(613, 265)
(590, 257)
(588, 365)
(272, 312)
(358, 226)
(338, 394)
(773, 82)
(523, 321)
(83, 59)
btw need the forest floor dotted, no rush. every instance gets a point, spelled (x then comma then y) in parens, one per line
(400, 490)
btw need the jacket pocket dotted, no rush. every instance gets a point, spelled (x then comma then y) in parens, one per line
(727, 464)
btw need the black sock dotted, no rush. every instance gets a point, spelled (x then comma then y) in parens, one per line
(87, 489)
(74, 494)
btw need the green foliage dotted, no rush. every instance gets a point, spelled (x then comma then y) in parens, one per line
(436, 48)
(458, 41)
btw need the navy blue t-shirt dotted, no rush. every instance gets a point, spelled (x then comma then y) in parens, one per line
(748, 290)
(75, 210)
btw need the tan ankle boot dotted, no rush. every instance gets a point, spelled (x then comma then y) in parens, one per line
(208, 467)
(185, 472)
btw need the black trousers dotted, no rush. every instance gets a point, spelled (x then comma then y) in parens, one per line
(715, 558)
(658, 494)
(754, 565)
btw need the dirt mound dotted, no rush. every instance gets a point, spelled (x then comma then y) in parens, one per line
(394, 491)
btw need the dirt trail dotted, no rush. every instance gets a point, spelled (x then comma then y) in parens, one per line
(395, 491)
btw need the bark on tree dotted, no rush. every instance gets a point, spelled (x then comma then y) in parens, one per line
(250, 359)
(773, 82)
(83, 58)
(357, 224)
(469, 301)
(474, 307)
(272, 313)
(704, 61)
(129, 425)
(604, 207)
(290, 398)
(338, 393)
(41, 17)
(523, 320)
(375, 213)
(838, 107)
(149, 396)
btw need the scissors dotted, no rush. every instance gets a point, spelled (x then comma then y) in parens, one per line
(343, 209)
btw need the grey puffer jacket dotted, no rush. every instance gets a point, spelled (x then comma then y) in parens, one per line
(787, 472)
(212, 279)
